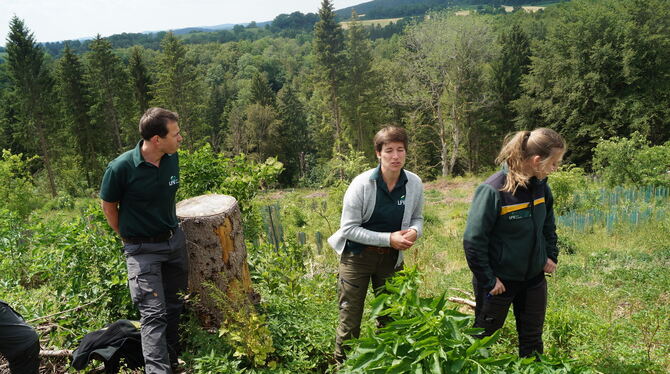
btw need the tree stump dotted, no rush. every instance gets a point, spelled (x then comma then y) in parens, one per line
(217, 256)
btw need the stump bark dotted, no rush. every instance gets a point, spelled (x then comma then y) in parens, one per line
(217, 255)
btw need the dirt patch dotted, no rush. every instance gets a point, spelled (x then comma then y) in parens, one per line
(622, 310)
(381, 22)
(527, 9)
(447, 187)
(533, 9)
(275, 195)
(316, 194)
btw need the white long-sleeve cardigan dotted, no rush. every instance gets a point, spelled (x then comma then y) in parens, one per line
(358, 205)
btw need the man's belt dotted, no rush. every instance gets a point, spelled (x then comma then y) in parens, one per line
(378, 250)
(162, 237)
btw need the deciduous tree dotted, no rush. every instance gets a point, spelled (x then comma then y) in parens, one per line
(442, 68)
(602, 71)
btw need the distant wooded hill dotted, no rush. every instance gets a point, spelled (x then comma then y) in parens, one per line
(377, 9)
(287, 25)
(227, 26)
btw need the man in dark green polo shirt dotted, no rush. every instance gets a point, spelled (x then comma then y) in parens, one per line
(138, 198)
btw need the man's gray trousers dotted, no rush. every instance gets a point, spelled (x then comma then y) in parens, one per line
(157, 278)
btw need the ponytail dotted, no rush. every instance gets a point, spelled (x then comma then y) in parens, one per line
(522, 145)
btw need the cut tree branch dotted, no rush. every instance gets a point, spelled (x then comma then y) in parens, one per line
(459, 300)
(65, 311)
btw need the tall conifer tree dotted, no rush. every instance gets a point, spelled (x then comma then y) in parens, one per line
(329, 48)
(218, 102)
(75, 104)
(292, 129)
(359, 100)
(178, 87)
(32, 87)
(261, 91)
(512, 63)
(111, 93)
(141, 78)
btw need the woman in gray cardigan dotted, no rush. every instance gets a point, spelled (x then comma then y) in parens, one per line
(382, 216)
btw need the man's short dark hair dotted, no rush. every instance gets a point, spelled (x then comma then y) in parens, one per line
(154, 122)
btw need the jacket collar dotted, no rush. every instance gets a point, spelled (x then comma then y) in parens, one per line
(376, 175)
(533, 180)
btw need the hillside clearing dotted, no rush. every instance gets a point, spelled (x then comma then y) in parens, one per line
(371, 22)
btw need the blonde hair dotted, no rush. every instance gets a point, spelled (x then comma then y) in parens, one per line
(522, 145)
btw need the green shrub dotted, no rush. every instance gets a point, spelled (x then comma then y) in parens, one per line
(72, 176)
(60, 202)
(565, 183)
(299, 307)
(13, 249)
(62, 263)
(632, 161)
(205, 171)
(206, 352)
(302, 324)
(342, 168)
(17, 187)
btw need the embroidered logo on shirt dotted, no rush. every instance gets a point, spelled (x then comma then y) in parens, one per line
(173, 181)
(402, 200)
(519, 214)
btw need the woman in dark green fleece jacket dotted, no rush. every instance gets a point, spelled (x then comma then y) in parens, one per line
(510, 237)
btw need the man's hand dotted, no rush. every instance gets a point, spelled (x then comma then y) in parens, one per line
(498, 288)
(550, 266)
(398, 240)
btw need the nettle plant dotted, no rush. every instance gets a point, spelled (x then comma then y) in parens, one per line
(425, 335)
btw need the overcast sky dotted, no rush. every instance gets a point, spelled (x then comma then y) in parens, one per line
(55, 20)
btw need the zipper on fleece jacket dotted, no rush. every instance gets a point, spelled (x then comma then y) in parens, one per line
(532, 218)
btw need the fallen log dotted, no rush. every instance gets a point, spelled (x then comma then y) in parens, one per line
(56, 353)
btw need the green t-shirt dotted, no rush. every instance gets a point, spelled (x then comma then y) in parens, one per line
(146, 193)
(389, 208)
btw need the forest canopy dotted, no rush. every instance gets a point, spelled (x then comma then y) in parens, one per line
(311, 93)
